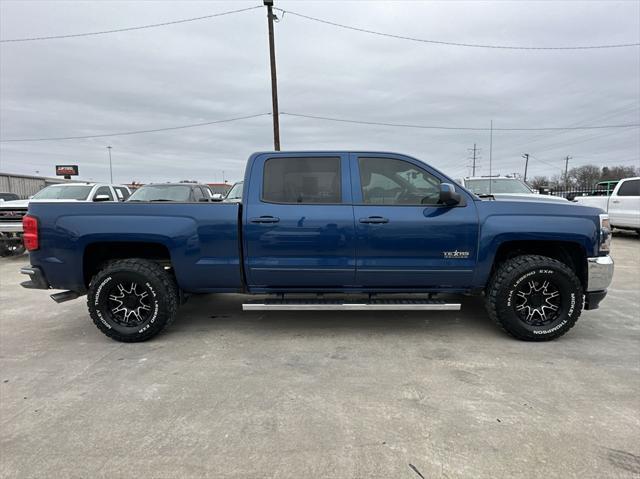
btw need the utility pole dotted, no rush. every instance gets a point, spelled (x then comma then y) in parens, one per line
(526, 165)
(566, 172)
(474, 152)
(110, 166)
(490, 155)
(274, 80)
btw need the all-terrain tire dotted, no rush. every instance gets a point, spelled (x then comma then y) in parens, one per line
(507, 288)
(132, 300)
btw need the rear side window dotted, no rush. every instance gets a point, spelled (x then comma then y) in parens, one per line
(122, 193)
(302, 180)
(630, 188)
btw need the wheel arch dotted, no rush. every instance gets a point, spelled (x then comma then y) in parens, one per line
(572, 254)
(98, 253)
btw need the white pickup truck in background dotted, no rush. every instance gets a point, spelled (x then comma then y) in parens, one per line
(623, 206)
(11, 212)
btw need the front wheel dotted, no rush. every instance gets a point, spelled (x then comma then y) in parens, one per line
(534, 298)
(132, 300)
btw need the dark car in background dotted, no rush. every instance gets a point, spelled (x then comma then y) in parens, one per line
(8, 196)
(174, 192)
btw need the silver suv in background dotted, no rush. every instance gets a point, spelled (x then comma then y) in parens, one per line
(235, 193)
(11, 212)
(504, 188)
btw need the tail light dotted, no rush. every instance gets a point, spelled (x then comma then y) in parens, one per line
(30, 235)
(605, 233)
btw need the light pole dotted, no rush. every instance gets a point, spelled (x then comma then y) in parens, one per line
(110, 165)
(526, 165)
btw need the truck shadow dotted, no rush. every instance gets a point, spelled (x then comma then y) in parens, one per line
(207, 313)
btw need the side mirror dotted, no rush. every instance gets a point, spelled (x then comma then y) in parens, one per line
(102, 198)
(448, 195)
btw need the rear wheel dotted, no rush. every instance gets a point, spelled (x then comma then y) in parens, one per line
(534, 298)
(132, 300)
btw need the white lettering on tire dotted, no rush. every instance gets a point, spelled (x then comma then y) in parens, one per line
(99, 290)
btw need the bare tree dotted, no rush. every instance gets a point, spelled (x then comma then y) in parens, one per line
(618, 172)
(584, 177)
(538, 181)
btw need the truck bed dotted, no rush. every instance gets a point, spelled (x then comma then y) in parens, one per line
(201, 240)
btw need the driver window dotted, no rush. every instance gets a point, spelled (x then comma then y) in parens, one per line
(385, 181)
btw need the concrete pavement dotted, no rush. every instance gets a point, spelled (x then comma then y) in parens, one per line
(228, 394)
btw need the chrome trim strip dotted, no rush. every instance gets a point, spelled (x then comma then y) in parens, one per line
(351, 307)
(293, 269)
(373, 270)
(10, 227)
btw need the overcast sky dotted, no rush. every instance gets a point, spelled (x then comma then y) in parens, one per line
(218, 68)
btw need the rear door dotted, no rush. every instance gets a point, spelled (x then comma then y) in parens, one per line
(624, 205)
(405, 239)
(298, 222)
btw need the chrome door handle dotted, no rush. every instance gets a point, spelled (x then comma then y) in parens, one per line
(265, 219)
(374, 220)
(615, 201)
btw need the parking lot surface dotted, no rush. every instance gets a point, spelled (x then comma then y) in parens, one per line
(224, 393)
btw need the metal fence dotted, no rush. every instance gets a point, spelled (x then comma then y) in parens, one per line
(25, 185)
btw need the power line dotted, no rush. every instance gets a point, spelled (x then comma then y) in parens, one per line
(137, 132)
(519, 143)
(128, 29)
(463, 128)
(455, 44)
(316, 117)
(545, 162)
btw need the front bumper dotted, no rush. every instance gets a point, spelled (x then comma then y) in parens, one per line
(600, 274)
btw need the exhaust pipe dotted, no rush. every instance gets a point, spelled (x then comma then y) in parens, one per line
(64, 296)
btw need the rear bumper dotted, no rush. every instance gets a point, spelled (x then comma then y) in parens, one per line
(600, 273)
(37, 279)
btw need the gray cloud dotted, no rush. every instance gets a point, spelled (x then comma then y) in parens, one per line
(218, 68)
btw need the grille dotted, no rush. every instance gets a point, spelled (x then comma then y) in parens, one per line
(12, 216)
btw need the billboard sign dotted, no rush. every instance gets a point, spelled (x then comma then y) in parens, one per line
(66, 170)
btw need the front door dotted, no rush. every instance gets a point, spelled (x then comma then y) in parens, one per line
(405, 239)
(299, 228)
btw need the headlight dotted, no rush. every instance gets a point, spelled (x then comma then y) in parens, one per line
(605, 233)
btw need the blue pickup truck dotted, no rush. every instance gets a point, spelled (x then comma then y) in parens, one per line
(327, 231)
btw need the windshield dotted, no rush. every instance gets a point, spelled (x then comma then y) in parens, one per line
(162, 193)
(235, 192)
(498, 185)
(79, 192)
